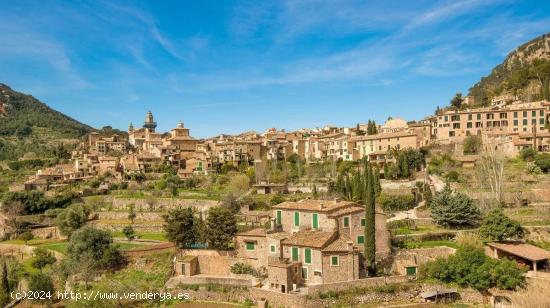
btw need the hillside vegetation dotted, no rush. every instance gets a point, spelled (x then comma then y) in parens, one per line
(524, 73)
(28, 125)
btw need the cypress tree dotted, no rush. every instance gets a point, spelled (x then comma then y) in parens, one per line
(356, 187)
(374, 129)
(370, 228)
(404, 166)
(5, 283)
(377, 186)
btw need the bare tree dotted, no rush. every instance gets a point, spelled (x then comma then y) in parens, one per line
(490, 171)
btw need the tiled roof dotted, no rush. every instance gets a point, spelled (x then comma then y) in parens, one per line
(385, 135)
(278, 235)
(346, 210)
(260, 232)
(313, 239)
(341, 244)
(315, 205)
(525, 251)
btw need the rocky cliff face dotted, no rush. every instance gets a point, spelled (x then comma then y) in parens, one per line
(524, 74)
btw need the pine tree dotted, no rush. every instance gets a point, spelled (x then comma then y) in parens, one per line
(374, 128)
(370, 228)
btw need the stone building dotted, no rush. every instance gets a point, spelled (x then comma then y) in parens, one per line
(315, 242)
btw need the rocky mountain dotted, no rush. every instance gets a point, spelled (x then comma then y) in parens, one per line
(524, 74)
(30, 126)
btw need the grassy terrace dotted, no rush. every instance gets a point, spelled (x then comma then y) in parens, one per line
(61, 246)
(198, 194)
(144, 235)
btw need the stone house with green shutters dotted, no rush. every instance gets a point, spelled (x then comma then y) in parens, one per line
(346, 217)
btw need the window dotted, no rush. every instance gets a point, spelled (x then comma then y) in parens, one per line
(346, 222)
(515, 122)
(250, 245)
(315, 221)
(279, 217)
(363, 222)
(446, 118)
(534, 121)
(525, 114)
(360, 239)
(272, 248)
(542, 113)
(470, 117)
(534, 113)
(296, 219)
(541, 121)
(295, 254)
(307, 256)
(524, 121)
(411, 271)
(479, 116)
(334, 260)
(515, 114)
(469, 125)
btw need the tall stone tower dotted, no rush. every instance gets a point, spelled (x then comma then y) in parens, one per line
(149, 123)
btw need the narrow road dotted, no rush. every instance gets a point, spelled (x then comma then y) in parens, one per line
(410, 214)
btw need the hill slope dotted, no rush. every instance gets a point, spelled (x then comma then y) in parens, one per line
(525, 73)
(28, 125)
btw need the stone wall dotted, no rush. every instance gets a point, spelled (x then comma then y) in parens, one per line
(247, 281)
(278, 299)
(156, 227)
(212, 262)
(537, 233)
(157, 204)
(143, 216)
(363, 283)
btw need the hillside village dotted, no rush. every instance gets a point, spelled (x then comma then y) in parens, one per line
(451, 208)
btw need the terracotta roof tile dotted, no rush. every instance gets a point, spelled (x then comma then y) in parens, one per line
(314, 239)
(315, 205)
(523, 250)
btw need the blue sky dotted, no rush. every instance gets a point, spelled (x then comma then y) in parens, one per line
(231, 66)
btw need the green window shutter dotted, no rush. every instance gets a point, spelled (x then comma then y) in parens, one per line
(296, 219)
(294, 253)
(411, 271)
(363, 222)
(334, 260)
(250, 246)
(346, 222)
(307, 253)
(279, 217)
(272, 248)
(315, 221)
(360, 239)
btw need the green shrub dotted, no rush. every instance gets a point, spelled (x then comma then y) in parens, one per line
(392, 203)
(543, 162)
(527, 154)
(498, 227)
(470, 267)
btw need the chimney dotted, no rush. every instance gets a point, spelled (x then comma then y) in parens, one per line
(350, 245)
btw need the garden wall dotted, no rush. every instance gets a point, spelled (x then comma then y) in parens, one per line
(363, 283)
